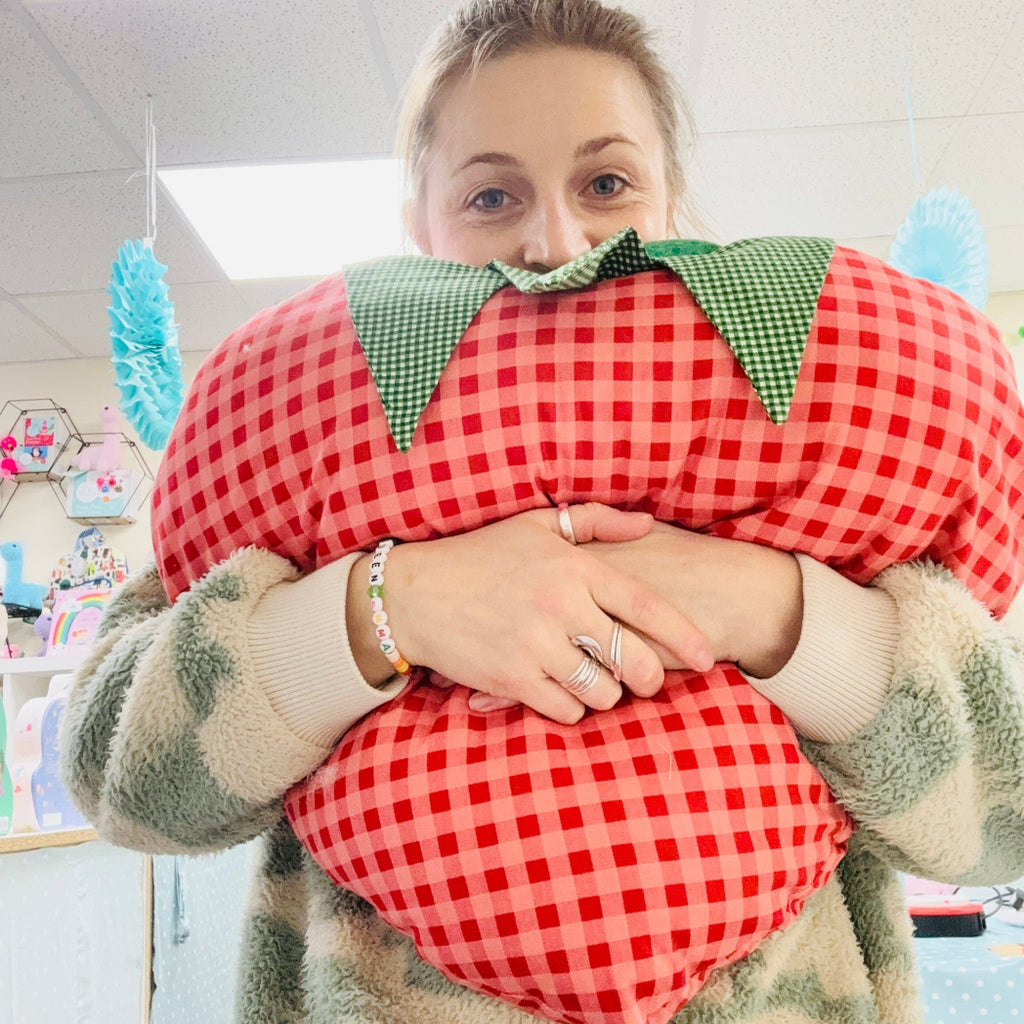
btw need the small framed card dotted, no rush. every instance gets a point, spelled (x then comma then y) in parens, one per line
(105, 496)
(39, 444)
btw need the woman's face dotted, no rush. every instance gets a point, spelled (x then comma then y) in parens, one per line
(538, 158)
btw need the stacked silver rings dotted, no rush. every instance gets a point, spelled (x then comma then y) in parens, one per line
(585, 676)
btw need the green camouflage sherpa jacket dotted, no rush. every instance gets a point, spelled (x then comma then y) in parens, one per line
(170, 747)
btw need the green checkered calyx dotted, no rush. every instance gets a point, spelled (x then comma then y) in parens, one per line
(409, 313)
(618, 256)
(761, 294)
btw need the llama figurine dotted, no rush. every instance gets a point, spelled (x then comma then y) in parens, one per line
(105, 456)
(23, 600)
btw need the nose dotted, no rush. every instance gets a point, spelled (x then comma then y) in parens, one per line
(552, 236)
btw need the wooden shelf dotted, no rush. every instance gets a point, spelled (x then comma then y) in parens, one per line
(17, 842)
(49, 665)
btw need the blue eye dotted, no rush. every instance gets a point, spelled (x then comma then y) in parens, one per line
(490, 199)
(606, 184)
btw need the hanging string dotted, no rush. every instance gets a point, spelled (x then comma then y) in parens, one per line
(907, 95)
(150, 174)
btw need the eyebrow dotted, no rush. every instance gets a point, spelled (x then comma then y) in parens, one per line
(593, 146)
(588, 148)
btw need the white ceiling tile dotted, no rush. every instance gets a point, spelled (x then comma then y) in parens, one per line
(840, 182)
(81, 317)
(285, 79)
(787, 64)
(24, 340)
(404, 29)
(1005, 259)
(262, 294)
(245, 80)
(206, 314)
(677, 36)
(951, 49)
(44, 125)
(1003, 88)
(985, 160)
(62, 234)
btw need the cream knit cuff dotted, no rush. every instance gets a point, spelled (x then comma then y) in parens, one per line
(303, 662)
(841, 671)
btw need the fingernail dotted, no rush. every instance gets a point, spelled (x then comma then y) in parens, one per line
(489, 702)
(704, 662)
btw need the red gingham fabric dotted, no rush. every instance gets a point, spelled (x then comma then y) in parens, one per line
(599, 873)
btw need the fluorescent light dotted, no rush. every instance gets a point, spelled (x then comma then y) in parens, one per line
(293, 220)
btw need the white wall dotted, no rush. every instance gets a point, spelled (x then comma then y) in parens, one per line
(1006, 311)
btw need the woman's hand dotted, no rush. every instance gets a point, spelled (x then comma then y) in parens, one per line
(497, 608)
(746, 599)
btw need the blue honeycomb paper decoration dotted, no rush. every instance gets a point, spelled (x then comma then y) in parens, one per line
(942, 240)
(144, 343)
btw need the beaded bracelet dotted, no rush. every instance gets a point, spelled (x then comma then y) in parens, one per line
(380, 618)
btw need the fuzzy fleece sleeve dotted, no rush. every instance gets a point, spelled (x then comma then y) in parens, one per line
(935, 779)
(174, 740)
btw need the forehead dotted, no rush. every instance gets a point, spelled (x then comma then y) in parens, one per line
(542, 97)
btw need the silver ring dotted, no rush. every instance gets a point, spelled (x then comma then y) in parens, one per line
(565, 523)
(615, 652)
(590, 645)
(585, 676)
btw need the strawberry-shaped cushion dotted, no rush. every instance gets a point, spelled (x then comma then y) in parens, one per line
(789, 393)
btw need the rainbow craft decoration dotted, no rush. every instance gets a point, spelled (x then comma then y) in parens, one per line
(76, 617)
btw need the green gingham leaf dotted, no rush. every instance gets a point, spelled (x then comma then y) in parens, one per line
(409, 313)
(618, 256)
(761, 294)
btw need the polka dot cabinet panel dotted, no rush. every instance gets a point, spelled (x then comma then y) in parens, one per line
(198, 908)
(966, 981)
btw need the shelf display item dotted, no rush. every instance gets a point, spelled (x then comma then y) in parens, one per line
(93, 494)
(92, 563)
(22, 600)
(106, 456)
(7, 649)
(8, 464)
(6, 785)
(101, 477)
(38, 445)
(41, 628)
(40, 802)
(33, 433)
(76, 617)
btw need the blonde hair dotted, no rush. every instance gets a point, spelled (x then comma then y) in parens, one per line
(485, 30)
